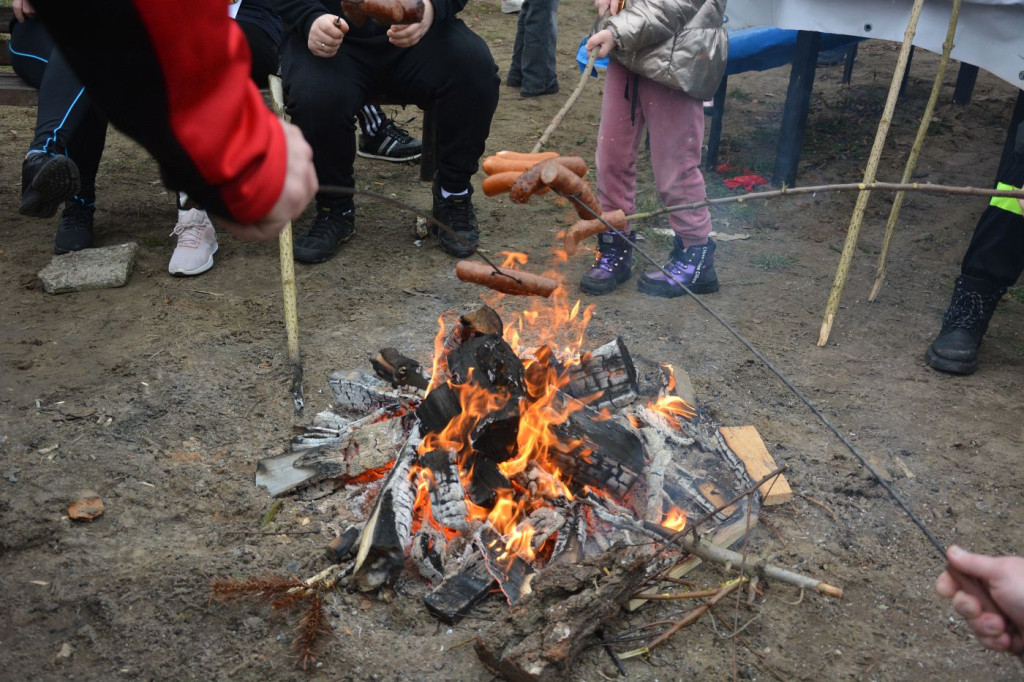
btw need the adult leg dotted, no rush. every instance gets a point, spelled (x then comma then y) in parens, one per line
(266, 59)
(48, 177)
(993, 262)
(618, 138)
(515, 69)
(322, 97)
(540, 38)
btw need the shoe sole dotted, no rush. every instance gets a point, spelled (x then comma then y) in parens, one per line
(600, 287)
(664, 290)
(378, 157)
(58, 180)
(197, 271)
(949, 366)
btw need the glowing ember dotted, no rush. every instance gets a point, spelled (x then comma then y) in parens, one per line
(672, 406)
(675, 519)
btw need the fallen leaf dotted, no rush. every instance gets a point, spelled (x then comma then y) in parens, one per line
(87, 507)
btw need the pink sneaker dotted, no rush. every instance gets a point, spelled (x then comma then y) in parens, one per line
(197, 242)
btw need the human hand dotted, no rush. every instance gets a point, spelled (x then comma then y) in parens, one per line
(603, 41)
(407, 35)
(300, 184)
(607, 7)
(326, 34)
(23, 10)
(1003, 578)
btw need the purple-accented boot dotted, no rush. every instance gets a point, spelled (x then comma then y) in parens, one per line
(694, 267)
(614, 264)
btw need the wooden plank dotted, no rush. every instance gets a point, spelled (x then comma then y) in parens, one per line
(746, 442)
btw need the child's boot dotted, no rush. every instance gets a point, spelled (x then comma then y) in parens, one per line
(613, 266)
(955, 350)
(694, 267)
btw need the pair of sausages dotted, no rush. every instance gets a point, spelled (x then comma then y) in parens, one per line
(505, 167)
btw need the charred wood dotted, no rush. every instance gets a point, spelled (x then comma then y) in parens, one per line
(541, 636)
(605, 377)
(571, 537)
(399, 370)
(447, 497)
(388, 531)
(496, 433)
(597, 452)
(357, 393)
(427, 551)
(343, 547)
(485, 480)
(455, 597)
(492, 362)
(512, 573)
(439, 407)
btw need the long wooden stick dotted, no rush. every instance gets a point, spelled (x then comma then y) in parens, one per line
(870, 171)
(915, 151)
(568, 104)
(289, 287)
(927, 188)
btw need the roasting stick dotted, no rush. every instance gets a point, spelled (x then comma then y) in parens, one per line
(969, 584)
(505, 280)
(288, 284)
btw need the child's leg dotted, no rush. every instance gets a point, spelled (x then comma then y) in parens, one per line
(617, 140)
(676, 124)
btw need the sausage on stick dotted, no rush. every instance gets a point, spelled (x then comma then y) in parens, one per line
(528, 284)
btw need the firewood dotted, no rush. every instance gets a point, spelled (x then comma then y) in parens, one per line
(571, 537)
(455, 597)
(597, 452)
(398, 370)
(495, 435)
(357, 393)
(343, 547)
(485, 480)
(512, 573)
(748, 446)
(605, 377)
(540, 638)
(447, 497)
(388, 530)
(426, 551)
(492, 362)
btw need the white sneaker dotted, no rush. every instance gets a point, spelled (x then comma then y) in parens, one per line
(511, 6)
(197, 242)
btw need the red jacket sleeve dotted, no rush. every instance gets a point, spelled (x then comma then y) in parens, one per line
(175, 77)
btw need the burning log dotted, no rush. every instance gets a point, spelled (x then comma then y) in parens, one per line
(495, 366)
(484, 320)
(455, 597)
(494, 437)
(541, 636)
(447, 497)
(511, 571)
(388, 531)
(360, 446)
(485, 480)
(439, 407)
(357, 393)
(605, 377)
(398, 370)
(597, 452)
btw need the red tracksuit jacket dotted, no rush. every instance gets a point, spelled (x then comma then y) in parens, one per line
(175, 77)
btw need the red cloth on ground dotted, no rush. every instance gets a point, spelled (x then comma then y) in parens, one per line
(747, 182)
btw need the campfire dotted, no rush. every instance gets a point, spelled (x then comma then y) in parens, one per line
(517, 465)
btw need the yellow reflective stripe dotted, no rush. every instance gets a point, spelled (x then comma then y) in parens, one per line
(1007, 203)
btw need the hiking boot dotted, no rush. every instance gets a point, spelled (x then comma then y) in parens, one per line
(613, 266)
(47, 181)
(74, 229)
(390, 143)
(457, 213)
(197, 242)
(333, 226)
(965, 322)
(694, 267)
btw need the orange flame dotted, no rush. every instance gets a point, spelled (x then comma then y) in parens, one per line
(675, 519)
(672, 406)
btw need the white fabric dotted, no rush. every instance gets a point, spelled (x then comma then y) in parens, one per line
(990, 33)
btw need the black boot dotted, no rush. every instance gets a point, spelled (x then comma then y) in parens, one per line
(47, 181)
(955, 350)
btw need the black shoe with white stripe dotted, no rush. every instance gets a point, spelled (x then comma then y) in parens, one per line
(390, 143)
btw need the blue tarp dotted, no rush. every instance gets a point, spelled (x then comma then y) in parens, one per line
(750, 49)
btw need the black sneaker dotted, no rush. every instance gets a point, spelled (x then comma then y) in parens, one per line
(391, 143)
(74, 230)
(332, 227)
(46, 182)
(457, 213)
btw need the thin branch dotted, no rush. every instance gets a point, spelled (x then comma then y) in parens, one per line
(568, 104)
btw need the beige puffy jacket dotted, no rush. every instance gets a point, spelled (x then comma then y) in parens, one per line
(678, 43)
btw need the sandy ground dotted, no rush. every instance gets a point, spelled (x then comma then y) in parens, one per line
(164, 394)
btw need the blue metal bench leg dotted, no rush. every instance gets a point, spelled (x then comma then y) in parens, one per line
(798, 103)
(717, 111)
(428, 160)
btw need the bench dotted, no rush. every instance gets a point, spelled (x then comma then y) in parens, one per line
(18, 93)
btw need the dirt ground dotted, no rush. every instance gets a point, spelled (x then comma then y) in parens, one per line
(163, 395)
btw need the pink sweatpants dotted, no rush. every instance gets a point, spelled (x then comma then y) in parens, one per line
(676, 125)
